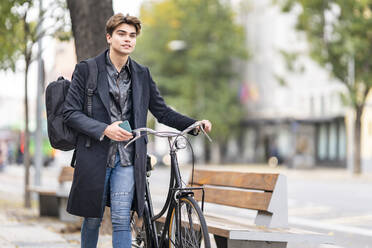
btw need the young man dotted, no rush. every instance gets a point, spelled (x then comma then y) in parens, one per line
(105, 172)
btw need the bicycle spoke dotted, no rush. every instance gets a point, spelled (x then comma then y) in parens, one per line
(189, 213)
(191, 233)
(173, 242)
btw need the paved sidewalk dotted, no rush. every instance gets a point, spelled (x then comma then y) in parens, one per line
(24, 228)
(17, 234)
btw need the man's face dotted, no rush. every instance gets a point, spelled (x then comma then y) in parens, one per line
(123, 39)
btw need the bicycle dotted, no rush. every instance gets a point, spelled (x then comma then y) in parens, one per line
(184, 224)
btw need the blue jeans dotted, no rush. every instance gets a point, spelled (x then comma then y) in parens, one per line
(120, 182)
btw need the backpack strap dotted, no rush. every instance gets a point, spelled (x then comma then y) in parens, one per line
(90, 87)
(73, 159)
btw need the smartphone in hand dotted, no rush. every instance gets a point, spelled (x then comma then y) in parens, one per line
(126, 126)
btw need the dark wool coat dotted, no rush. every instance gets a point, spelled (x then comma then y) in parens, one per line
(86, 193)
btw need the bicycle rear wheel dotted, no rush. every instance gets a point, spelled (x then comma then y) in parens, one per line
(193, 232)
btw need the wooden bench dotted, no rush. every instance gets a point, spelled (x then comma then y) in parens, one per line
(264, 193)
(53, 201)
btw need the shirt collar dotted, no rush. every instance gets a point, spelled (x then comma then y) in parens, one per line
(109, 63)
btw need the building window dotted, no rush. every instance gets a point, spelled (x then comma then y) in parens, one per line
(342, 142)
(332, 142)
(322, 139)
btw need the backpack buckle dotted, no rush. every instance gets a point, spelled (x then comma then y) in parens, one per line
(90, 92)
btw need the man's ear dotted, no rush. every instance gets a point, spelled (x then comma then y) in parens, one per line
(108, 39)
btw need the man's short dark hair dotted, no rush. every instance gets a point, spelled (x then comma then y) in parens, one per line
(118, 19)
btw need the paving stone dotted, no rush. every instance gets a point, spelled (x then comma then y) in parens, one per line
(22, 235)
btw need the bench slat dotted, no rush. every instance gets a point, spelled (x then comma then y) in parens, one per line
(66, 174)
(236, 179)
(42, 191)
(231, 228)
(235, 198)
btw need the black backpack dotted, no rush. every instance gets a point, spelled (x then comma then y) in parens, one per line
(60, 135)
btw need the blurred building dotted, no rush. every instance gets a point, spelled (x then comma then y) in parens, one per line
(12, 99)
(295, 115)
(12, 111)
(64, 61)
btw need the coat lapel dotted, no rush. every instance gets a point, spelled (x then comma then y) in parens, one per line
(137, 91)
(102, 83)
(103, 90)
(137, 87)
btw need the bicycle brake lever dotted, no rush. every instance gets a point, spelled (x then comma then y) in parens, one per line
(138, 135)
(205, 133)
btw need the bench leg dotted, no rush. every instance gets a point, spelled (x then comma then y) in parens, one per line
(255, 244)
(48, 205)
(221, 242)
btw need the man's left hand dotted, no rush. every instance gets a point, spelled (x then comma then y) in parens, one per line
(207, 125)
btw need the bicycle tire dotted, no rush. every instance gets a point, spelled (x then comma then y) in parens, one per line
(194, 231)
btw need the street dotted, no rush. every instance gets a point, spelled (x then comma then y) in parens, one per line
(342, 207)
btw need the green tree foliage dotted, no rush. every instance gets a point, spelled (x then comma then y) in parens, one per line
(190, 47)
(19, 33)
(9, 33)
(339, 32)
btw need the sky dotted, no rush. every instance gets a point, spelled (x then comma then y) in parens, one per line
(127, 6)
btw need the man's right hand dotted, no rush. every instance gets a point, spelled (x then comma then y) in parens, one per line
(116, 133)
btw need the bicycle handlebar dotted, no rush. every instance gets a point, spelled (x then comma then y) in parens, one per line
(166, 134)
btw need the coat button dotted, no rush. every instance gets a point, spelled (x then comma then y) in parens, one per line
(137, 155)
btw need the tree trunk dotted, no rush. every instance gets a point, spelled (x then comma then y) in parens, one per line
(26, 151)
(357, 169)
(88, 18)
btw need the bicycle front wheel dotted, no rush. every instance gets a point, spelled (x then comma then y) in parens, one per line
(187, 227)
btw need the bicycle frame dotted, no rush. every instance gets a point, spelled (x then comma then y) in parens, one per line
(175, 192)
